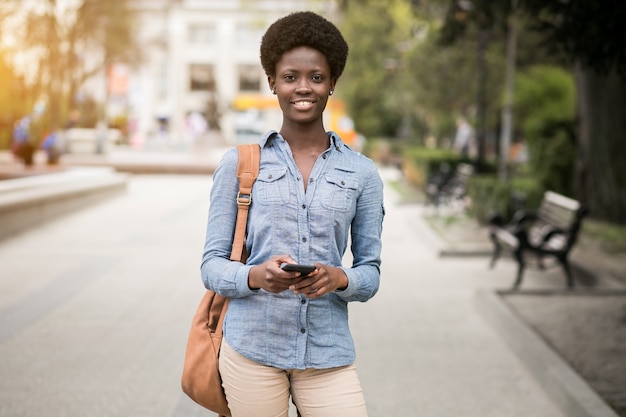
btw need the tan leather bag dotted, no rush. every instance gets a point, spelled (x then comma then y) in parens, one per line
(201, 379)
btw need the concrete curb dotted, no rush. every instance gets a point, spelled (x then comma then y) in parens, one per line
(466, 251)
(566, 387)
(30, 201)
(136, 162)
(154, 167)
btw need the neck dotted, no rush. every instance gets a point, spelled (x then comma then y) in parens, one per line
(305, 138)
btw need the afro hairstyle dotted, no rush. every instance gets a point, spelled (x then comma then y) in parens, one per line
(303, 29)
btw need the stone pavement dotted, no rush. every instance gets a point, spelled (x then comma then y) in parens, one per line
(95, 308)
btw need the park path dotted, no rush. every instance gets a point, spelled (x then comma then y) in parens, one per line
(95, 309)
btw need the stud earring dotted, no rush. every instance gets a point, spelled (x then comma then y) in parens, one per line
(330, 93)
(273, 91)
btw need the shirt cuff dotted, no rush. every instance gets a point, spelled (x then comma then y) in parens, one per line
(352, 285)
(241, 281)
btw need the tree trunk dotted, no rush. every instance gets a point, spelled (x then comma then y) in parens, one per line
(601, 156)
(481, 98)
(506, 133)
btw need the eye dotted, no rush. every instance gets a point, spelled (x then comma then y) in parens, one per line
(289, 77)
(317, 78)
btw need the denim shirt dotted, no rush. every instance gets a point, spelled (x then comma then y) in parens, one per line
(343, 202)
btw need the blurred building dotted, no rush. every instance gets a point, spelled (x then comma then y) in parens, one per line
(200, 56)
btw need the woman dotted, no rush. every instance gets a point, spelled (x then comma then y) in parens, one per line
(285, 333)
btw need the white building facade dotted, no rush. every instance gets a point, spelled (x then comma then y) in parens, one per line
(199, 56)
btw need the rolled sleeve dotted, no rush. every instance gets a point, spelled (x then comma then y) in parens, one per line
(241, 282)
(364, 276)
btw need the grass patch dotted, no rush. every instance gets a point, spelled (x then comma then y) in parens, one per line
(608, 236)
(407, 192)
(445, 220)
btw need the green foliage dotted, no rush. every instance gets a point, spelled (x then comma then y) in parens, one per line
(400, 81)
(444, 81)
(589, 32)
(611, 237)
(489, 195)
(419, 163)
(545, 105)
(373, 84)
(365, 67)
(462, 16)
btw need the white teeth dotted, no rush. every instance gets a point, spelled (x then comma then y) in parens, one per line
(303, 103)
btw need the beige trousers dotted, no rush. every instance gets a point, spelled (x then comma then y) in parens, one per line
(255, 390)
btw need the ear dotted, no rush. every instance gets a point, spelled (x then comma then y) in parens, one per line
(271, 81)
(333, 84)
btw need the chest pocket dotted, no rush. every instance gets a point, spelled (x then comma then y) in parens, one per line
(271, 186)
(338, 192)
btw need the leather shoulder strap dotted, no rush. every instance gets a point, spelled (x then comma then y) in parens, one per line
(247, 172)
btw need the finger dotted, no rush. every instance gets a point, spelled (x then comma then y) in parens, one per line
(303, 285)
(316, 292)
(286, 259)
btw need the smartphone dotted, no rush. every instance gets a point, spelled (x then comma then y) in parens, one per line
(303, 269)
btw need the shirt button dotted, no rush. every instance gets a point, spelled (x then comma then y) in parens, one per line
(324, 156)
(303, 301)
(302, 330)
(304, 239)
(269, 177)
(304, 206)
(311, 180)
(343, 183)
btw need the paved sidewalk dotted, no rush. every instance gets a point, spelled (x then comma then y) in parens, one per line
(95, 308)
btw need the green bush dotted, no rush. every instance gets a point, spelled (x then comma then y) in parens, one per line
(545, 109)
(419, 163)
(489, 195)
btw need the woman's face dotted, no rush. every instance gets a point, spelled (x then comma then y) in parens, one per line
(302, 84)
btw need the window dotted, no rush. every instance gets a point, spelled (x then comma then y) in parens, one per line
(201, 33)
(248, 33)
(249, 78)
(201, 77)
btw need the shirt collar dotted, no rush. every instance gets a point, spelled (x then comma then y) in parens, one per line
(335, 140)
(267, 138)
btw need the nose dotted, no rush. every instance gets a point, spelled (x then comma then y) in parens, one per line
(303, 86)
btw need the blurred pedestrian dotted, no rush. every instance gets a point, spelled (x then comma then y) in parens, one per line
(287, 334)
(196, 126)
(463, 140)
(21, 146)
(53, 145)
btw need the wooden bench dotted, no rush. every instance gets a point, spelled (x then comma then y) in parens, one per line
(551, 231)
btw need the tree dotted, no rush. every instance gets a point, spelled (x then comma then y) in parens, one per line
(70, 42)
(592, 36)
(545, 103)
(445, 82)
(484, 19)
(15, 100)
(373, 84)
(397, 83)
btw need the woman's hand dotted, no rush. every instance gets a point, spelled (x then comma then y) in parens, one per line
(324, 280)
(271, 277)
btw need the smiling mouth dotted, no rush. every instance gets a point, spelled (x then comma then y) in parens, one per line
(302, 103)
